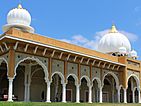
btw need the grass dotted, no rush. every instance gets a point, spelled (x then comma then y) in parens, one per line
(63, 104)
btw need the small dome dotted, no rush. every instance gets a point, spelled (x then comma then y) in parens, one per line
(112, 41)
(133, 53)
(20, 18)
(122, 50)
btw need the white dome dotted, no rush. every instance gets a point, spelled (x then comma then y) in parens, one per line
(19, 18)
(111, 42)
(122, 50)
(133, 53)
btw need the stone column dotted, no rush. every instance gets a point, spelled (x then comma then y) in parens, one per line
(48, 92)
(27, 83)
(118, 95)
(100, 94)
(90, 94)
(77, 94)
(139, 96)
(64, 93)
(125, 95)
(25, 92)
(10, 90)
(133, 95)
(11, 71)
(28, 92)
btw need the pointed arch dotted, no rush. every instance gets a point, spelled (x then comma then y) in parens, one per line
(75, 78)
(87, 79)
(98, 81)
(60, 75)
(38, 61)
(114, 76)
(136, 79)
(3, 59)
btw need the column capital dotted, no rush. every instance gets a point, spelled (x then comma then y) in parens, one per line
(64, 84)
(10, 78)
(124, 88)
(90, 86)
(138, 88)
(101, 87)
(47, 80)
(78, 85)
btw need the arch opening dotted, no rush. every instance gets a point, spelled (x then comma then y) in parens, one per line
(29, 83)
(95, 91)
(132, 92)
(109, 90)
(71, 89)
(3, 79)
(84, 90)
(56, 87)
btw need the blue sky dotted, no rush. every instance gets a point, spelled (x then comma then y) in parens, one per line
(84, 20)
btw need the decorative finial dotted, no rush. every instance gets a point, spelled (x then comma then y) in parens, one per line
(113, 29)
(20, 6)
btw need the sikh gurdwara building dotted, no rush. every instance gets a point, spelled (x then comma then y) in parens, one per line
(38, 68)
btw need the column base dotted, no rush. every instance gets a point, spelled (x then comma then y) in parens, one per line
(48, 101)
(10, 100)
(77, 102)
(64, 101)
(89, 102)
(26, 100)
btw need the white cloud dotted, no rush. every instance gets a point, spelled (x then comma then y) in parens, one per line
(93, 43)
(81, 41)
(132, 37)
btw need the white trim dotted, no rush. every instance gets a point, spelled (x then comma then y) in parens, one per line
(35, 50)
(75, 78)
(81, 60)
(69, 51)
(136, 79)
(16, 45)
(35, 59)
(60, 75)
(87, 79)
(114, 76)
(26, 47)
(1, 48)
(5, 45)
(61, 55)
(97, 80)
(44, 51)
(2, 58)
(75, 58)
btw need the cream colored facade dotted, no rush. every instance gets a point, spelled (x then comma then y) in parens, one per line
(38, 68)
(44, 69)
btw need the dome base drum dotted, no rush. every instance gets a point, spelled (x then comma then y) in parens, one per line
(19, 26)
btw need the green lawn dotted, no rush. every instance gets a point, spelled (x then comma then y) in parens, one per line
(61, 104)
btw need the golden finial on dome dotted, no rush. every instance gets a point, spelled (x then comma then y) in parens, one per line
(113, 29)
(20, 6)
